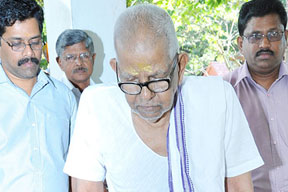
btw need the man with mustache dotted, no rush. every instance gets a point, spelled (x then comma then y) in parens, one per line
(261, 84)
(37, 112)
(75, 56)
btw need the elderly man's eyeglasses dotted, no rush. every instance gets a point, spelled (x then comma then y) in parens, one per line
(19, 45)
(71, 58)
(156, 85)
(272, 36)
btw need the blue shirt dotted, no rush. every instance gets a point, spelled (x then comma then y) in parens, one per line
(35, 133)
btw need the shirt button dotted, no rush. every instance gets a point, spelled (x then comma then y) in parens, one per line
(274, 142)
(35, 148)
(272, 119)
(33, 124)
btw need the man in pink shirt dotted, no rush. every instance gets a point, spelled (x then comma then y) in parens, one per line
(261, 84)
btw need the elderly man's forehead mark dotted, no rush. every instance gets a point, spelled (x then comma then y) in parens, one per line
(144, 67)
(131, 72)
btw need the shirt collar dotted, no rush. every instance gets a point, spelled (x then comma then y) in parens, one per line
(244, 72)
(65, 80)
(3, 76)
(44, 79)
(283, 70)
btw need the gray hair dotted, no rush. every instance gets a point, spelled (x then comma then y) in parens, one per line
(149, 20)
(73, 36)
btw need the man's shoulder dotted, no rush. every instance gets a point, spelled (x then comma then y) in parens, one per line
(58, 88)
(103, 91)
(202, 83)
(202, 79)
(57, 84)
(212, 88)
(99, 96)
(233, 76)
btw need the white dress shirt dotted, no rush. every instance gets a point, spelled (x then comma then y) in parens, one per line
(74, 89)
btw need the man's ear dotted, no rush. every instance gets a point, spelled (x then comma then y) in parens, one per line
(59, 63)
(240, 43)
(93, 58)
(113, 64)
(0, 50)
(285, 33)
(183, 59)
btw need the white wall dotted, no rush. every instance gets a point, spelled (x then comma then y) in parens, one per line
(58, 17)
(97, 18)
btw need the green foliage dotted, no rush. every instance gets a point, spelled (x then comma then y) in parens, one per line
(43, 63)
(206, 30)
(40, 2)
(284, 2)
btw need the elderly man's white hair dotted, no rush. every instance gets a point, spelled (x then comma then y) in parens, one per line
(149, 21)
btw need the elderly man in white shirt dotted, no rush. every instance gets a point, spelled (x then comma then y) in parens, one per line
(75, 56)
(160, 131)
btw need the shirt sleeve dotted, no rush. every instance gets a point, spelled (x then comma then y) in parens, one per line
(241, 153)
(85, 160)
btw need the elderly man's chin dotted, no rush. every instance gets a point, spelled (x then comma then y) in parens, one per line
(149, 116)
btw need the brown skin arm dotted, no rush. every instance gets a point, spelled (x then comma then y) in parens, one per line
(79, 185)
(240, 183)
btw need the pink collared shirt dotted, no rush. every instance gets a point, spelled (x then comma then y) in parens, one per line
(267, 114)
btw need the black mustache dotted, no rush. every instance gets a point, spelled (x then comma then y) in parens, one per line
(264, 51)
(79, 69)
(26, 60)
